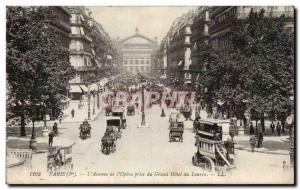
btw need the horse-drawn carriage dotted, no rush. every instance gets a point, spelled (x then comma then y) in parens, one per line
(85, 130)
(59, 158)
(176, 127)
(119, 112)
(215, 147)
(112, 133)
(130, 110)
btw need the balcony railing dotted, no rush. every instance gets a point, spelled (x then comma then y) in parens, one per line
(86, 68)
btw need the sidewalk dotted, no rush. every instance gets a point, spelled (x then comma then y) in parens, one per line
(42, 143)
(82, 113)
(271, 144)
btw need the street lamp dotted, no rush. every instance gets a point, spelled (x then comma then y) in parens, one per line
(98, 96)
(89, 102)
(143, 123)
(45, 130)
(33, 142)
(143, 106)
(93, 102)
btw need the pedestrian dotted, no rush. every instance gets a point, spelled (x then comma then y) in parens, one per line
(60, 117)
(260, 139)
(72, 112)
(252, 142)
(55, 129)
(50, 138)
(251, 129)
(259, 135)
(278, 128)
(272, 126)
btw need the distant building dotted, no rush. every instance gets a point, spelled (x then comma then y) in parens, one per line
(137, 53)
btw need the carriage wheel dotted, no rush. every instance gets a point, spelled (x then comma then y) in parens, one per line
(209, 164)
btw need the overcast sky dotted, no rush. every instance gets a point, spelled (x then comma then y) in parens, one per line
(151, 21)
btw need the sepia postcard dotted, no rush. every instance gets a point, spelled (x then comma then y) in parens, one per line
(150, 95)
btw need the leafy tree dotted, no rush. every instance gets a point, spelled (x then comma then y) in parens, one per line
(37, 64)
(256, 70)
(269, 50)
(210, 75)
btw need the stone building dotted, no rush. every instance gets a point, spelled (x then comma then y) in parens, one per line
(80, 45)
(207, 25)
(61, 24)
(223, 17)
(137, 53)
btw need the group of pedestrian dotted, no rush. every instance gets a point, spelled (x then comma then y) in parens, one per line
(279, 128)
(257, 137)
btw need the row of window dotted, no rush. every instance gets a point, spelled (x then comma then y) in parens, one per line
(76, 45)
(77, 18)
(226, 15)
(221, 42)
(141, 68)
(77, 30)
(136, 62)
(79, 61)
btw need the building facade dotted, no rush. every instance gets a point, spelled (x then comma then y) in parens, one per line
(137, 53)
(61, 24)
(80, 45)
(211, 26)
(223, 17)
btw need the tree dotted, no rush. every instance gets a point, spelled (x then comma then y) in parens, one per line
(210, 75)
(269, 50)
(256, 70)
(36, 62)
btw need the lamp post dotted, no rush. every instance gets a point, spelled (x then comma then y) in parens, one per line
(33, 142)
(94, 104)
(98, 97)
(45, 130)
(143, 106)
(89, 102)
(143, 123)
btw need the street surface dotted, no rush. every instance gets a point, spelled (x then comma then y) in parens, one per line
(149, 149)
(143, 150)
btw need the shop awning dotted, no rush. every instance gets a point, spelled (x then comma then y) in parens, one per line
(75, 89)
(84, 88)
